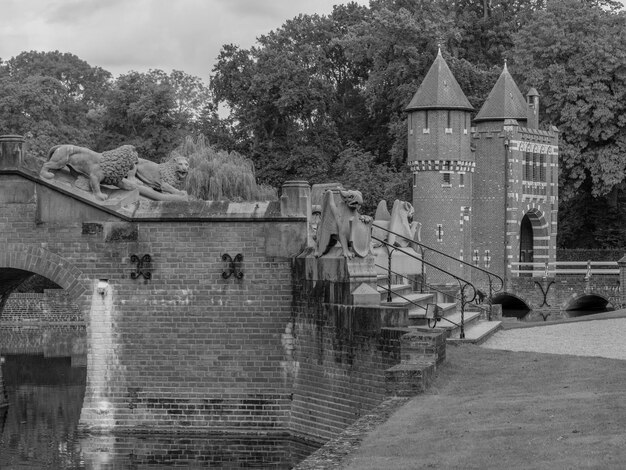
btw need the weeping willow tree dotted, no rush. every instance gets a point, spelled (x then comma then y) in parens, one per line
(216, 175)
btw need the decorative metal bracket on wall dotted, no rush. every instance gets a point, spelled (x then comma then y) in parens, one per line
(143, 266)
(545, 293)
(234, 266)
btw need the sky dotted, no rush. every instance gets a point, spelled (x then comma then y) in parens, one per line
(139, 35)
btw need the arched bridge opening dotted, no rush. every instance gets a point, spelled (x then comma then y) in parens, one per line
(512, 306)
(43, 363)
(587, 304)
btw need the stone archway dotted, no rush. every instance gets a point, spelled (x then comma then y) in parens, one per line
(586, 304)
(43, 340)
(512, 305)
(40, 261)
(534, 238)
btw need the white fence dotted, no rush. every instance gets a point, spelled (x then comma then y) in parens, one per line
(586, 268)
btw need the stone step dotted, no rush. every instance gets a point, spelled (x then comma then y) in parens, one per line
(476, 333)
(409, 379)
(396, 289)
(417, 316)
(411, 300)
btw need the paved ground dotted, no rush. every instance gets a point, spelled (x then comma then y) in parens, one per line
(602, 338)
(509, 405)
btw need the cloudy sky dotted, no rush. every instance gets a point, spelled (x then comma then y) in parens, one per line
(124, 35)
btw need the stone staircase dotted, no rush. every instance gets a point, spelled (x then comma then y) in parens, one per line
(476, 327)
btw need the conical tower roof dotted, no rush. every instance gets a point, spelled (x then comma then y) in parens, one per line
(505, 101)
(439, 90)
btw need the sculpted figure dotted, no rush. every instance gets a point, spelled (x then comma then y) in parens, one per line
(399, 221)
(110, 167)
(341, 222)
(168, 177)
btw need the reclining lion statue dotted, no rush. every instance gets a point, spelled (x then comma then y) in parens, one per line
(167, 177)
(111, 167)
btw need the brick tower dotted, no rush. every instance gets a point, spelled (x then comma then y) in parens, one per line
(442, 162)
(485, 194)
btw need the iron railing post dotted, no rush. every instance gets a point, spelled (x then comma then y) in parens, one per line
(462, 334)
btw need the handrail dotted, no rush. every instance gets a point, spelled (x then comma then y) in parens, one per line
(423, 246)
(463, 284)
(430, 287)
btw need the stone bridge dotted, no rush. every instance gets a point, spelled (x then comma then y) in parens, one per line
(197, 316)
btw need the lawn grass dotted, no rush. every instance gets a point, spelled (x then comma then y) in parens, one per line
(494, 409)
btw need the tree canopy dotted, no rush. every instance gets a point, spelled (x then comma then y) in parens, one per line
(322, 97)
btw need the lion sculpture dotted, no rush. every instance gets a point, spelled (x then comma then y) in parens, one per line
(112, 167)
(398, 222)
(168, 177)
(341, 222)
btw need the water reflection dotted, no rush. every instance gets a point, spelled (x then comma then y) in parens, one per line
(38, 430)
(45, 396)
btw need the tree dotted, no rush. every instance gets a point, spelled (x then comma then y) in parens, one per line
(49, 97)
(574, 53)
(152, 111)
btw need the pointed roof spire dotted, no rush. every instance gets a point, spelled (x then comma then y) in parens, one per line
(439, 89)
(505, 101)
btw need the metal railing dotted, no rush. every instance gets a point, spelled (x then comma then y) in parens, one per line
(554, 268)
(495, 282)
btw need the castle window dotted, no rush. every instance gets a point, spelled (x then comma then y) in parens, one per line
(439, 232)
(415, 180)
(528, 166)
(461, 180)
(446, 179)
(542, 167)
(535, 167)
(487, 258)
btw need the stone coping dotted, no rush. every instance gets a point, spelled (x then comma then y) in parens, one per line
(146, 210)
(334, 451)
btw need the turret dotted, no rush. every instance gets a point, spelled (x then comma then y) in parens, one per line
(439, 154)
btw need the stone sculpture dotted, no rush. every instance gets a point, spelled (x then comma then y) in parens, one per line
(399, 221)
(168, 177)
(341, 222)
(112, 167)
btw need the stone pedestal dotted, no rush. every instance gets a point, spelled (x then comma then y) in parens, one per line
(11, 149)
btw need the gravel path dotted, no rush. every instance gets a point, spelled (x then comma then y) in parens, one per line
(603, 338)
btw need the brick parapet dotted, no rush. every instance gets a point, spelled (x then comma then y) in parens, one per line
(186, 349)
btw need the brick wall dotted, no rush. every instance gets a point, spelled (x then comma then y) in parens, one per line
(340, 354)
(52, 306)
(562, 290)
(184, 349)
(187, 349)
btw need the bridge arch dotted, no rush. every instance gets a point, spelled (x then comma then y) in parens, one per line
(40, 261)
(512, 305)
(586, 304)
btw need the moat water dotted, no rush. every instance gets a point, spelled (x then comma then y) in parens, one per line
(39, 429)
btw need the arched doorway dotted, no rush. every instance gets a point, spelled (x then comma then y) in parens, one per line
(526, 246)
